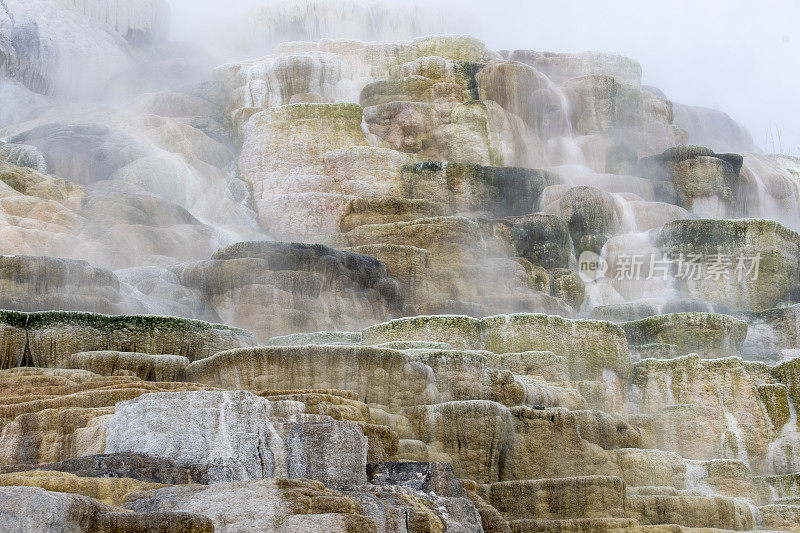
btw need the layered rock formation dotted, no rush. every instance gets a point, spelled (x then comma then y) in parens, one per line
(575, 436)
(47, 339)
(381, 286)
(275, 288)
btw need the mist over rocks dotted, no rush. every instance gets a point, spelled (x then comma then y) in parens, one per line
(335, 270)
(713, 128)
(41, 283)
(277, 288)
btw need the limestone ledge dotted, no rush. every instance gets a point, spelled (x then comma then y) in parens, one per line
(589, 346)
(707, 334)
(776, 246)
(47, 338)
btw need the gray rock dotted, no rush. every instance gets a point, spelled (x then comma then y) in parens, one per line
(320, 337)
(543, 240)
(591, 215)
(114, 465)
(289, 506)
(759, 260)
(35, 510)
(712, 128)
(333, 452)
(624, 312)
(278, 288)
(228, 433)
(698, 179)
(238, 436)
(464, 188)
(686, 306)
(82, 152)
(32, 283)
(568, 285)
(47, 338)
(158, 522)
(423, 476)
(23, 155)
(708, 334)
(415, 345)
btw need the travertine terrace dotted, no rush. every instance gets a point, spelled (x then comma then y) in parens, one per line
(340, 285)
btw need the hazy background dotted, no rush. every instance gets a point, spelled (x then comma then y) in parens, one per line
(742, 57)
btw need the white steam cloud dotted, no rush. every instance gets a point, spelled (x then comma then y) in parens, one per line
(733, 55)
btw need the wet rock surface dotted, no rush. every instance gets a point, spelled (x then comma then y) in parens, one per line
(394, 287)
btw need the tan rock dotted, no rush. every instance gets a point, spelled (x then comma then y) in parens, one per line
(780, 517)
(112, 491)
(691, 510)
(379, 376)
(549, 499)
(48, 415)
(715, 401)
(312, 130)
(773, 275)
(144, 366)
(47, 338)
(707, 334)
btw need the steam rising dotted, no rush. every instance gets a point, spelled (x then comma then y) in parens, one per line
(150, 154)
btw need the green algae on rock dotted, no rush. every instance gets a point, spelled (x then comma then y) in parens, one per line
(708, 408)
(457, 48)
(589, 346)
(789, 374)
(770, 253)
(460, 331)
(35, 283)
(543, 240)
(502, 191)
(47, 338)
(776, 402)
(433, 182)
(319, 337)
(707, 334)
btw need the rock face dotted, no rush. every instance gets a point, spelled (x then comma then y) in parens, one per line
(314, 129)
(712, 128)
(702, 181)
(230, 436)
(690, 396)
(589, 346)
(302, 505)
(48, 338)
(75, 512)
(51, 415)
(706, 334)
(376, 375)
(481, 291)
(771, 332)
(144, 468)
(277, 288)
(43, 283)
(421, 476)
(462, 188)
(329, 451)
(122, 227)
(239, 447)
(106, 490)
(760, 256)
(144, 366)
